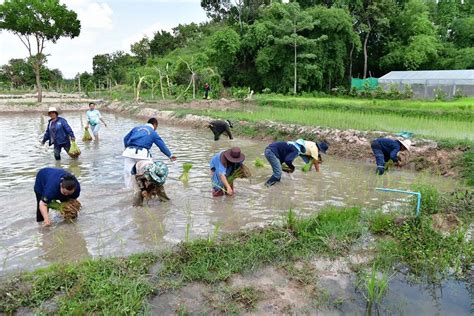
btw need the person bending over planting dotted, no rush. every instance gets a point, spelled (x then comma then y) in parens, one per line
(137, 147)
(93, 120)
(58, 133)
(150, 178)
(218, 127)
(53, 184)
(222, 166)
(280, 152)
(386, 149)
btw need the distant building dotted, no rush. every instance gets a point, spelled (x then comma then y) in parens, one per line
(427, 84)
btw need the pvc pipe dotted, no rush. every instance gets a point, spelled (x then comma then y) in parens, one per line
(418, 195)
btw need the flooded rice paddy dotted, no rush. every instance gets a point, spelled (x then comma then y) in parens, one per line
(109, 225)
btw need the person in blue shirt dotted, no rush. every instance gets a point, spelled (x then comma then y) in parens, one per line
(386, 149)
(53, 184)
(93, 120)
(280, 152)
(58, 133)
(137, 147)
(222, 165)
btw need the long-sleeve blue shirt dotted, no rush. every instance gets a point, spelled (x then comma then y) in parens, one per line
(390, 148)
(48, 185)
(58, 132)
(285, 152)
(144, 137)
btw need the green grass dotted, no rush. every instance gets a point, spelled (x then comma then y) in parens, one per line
(101, 286)
(461, 109)
(331, 231)
(435, 128)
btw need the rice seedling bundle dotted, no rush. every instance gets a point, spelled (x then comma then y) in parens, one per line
(285, 168)
(259, 163)
(241, 173)
(185, 176)
(68, 209)
(74, 151)
(307, 167)
(87, 135)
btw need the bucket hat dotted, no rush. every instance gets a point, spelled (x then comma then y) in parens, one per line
(234, 155)
(157, 172)
(52, 109)
(323, 146)
(405, 143)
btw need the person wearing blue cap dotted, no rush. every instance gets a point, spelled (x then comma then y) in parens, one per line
(280, 152)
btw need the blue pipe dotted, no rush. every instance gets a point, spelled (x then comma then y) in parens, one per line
(418, 195)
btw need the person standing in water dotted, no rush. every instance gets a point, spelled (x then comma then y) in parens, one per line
(137, 147)
(93, 120)
(385, 149)
(58, 133)
(219, 127)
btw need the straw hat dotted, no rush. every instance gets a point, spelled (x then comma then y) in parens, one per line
(405, 143)
(52, 109)
(234, 155)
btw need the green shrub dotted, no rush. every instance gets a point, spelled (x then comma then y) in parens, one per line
(430, 198)
(381, 223)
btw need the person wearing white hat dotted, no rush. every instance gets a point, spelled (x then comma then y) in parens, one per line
(58, 133)
(386, 149)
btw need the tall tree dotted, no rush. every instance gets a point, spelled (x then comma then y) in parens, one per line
(36, 22)
(141, 50)
(162, 43)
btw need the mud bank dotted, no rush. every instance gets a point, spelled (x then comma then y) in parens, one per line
(350, 144)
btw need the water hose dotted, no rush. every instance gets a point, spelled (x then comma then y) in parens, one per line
(418, 195)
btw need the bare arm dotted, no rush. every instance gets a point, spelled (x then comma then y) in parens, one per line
(44, 211)
(316, 164)
(228, 188)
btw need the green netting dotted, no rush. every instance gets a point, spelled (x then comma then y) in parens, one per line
(363, 84)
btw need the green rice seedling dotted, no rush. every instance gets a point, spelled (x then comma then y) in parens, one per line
(185, 175)
(68, 209)
(87, 135)
(375, 286)
(259, 163)
(307, 167)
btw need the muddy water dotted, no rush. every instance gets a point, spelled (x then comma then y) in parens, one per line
(109, 225)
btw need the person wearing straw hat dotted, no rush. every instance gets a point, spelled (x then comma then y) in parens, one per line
(222, 165)
(137, 147)
(312, 152)
(386, 149)
(58, 133)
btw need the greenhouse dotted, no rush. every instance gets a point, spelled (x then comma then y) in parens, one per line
(430, 84)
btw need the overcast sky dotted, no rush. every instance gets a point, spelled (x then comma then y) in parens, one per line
(107, 26)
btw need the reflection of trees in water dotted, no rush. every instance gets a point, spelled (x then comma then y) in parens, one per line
(64, 243)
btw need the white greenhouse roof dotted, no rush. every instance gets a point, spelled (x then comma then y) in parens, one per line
(459, 77)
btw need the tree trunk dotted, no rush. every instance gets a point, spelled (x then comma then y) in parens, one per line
(161, 86)
(366, 55)
(350, 63)
(194, 86)
(39, 89)
(295, 79)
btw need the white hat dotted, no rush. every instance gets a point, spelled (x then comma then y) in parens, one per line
(405, 143)
(52, 109)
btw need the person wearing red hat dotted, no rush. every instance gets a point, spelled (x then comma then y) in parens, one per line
(222, 165)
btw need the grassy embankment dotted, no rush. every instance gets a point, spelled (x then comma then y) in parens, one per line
(449, 122)
(122, 285)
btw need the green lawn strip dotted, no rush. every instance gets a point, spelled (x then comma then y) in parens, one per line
(331, 232)
(432, 128)
(104, 286)
(462, 109)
